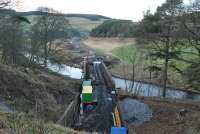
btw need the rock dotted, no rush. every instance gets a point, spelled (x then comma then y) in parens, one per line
(183, 112)
(134, 112)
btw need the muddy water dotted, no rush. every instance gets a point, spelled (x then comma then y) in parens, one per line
(134, 112)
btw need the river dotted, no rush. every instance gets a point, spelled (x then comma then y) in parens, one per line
(140, 88)
(144, 89)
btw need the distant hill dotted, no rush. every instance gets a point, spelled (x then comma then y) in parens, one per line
(93, 17)
(115, 28)
(83, 23)
(6, 11)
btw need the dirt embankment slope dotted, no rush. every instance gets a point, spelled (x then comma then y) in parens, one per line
(35, 91)
(170, 117)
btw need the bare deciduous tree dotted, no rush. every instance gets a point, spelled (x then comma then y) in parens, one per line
(10, 33)
(48, 27)
(8, 4)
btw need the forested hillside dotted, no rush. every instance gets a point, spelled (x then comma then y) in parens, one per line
(114, 28)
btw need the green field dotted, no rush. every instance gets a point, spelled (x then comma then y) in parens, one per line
(130, 52)
(137, 56)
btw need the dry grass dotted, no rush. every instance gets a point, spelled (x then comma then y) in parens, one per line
(20, 123)
(108, 44)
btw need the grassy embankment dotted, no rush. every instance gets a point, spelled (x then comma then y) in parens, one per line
(138, 53)
(38, 93)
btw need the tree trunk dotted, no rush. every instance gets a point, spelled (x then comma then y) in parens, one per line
(165, 68)
(124, 71)
(133, 77)
(4, 57)
(45, 55)
(45, 48)
(165, 78)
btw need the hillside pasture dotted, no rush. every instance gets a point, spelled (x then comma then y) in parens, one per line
(107, 45)
(83, 23)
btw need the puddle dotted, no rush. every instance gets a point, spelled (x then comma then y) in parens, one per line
(4, 107)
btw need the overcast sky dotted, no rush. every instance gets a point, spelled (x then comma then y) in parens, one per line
(119, 9)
